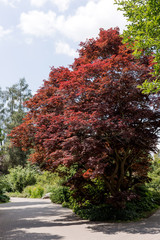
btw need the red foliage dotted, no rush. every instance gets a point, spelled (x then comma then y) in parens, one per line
(95, 116)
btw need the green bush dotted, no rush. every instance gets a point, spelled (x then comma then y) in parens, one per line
(30, 182)
(47, 178)
(16, 194)
(156, 197)
(134, 210)
(3, 185)
(19, 177)
(4, 198)
(36, 191)
(154, 174)
(60, 194)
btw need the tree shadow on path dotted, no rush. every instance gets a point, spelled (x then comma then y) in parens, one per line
(20, 235)
(17, 218)
(150, 225)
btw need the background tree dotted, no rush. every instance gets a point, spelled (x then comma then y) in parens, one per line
(94, 118)
(12, 115)
(2, 113)
(16, 95)
(2, 117)
(2, 103)
(143, 32)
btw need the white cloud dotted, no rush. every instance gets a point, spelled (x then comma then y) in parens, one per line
(38, 23)
(10, 3)
(87, 20)
(62, 5)
(4, 1)
(84, 23)
(38, 3)
(4, 32)
(64, 48)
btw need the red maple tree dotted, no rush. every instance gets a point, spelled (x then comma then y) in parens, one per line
(93, 115)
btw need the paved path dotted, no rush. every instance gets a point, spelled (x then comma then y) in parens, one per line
(37, 219)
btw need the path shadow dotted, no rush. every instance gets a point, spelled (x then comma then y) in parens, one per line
(150, 225)
(18, 220)
(19, 235)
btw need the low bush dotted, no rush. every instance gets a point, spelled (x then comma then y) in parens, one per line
(47, 178)
(3, 186)
(16, 194)
(134, 210)
(154, 174)
(60, 194)
(30, 182)
(36, 191)
(4, 198)
(19, 177)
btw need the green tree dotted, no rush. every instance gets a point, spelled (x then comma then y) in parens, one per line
(2, 113)
(14, 112)
(143, 32)
(2, 116)
(2, 103)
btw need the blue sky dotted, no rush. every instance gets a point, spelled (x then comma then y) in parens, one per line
(38, 34)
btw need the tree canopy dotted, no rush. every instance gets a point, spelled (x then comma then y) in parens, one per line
(143, 32)
(94, 117)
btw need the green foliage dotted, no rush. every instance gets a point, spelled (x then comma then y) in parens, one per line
(46, 178)
(12, 112)
(143, 32)
(20, 177)
(134, 210)
(60, 194)
(20, 180)
(154, 174)
(36, 191)
(16, 194)
(13, 156)
(4, 198)
(93, 191)
(1, 136)
(3, 186)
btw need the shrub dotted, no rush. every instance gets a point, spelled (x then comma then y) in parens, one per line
(3, 185)
(16, 194)
(36, 191)
(20, 177)
(60, 194)
(134, 210)
(154, 173)
(4, 198)
(47, 178)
